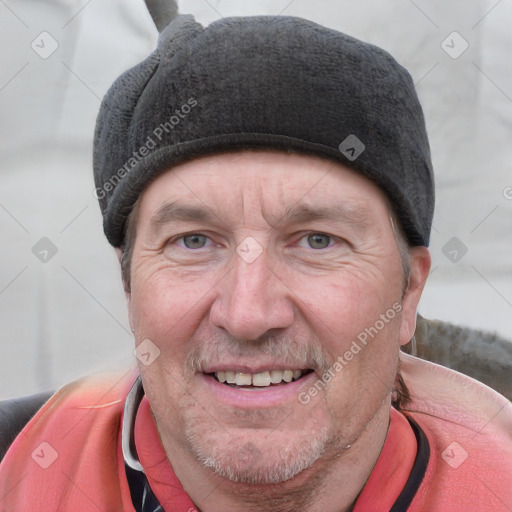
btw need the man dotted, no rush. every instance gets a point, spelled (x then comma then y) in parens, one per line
(268, 186)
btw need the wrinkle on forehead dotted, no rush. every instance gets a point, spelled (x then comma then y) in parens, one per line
(262, 189)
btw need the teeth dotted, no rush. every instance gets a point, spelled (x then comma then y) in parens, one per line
(288, 375)
(243, 379)
(276, 376)
(262, 379)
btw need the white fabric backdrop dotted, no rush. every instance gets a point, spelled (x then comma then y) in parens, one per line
(65, 317)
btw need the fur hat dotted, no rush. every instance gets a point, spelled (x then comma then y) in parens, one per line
(263, 82)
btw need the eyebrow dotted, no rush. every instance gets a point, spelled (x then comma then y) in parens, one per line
(175, 211)
(300, 213)
(355, 216)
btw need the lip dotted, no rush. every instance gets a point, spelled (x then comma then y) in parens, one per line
(263, 398)
(246, 368)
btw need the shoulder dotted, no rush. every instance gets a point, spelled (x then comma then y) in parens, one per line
(469, 428)
(98, 392)
(76, 431)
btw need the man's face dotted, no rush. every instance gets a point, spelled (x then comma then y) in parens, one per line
(261, 268)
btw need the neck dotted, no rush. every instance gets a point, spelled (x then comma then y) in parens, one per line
(331, 484)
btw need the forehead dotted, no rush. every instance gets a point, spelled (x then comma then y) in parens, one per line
(269, 183)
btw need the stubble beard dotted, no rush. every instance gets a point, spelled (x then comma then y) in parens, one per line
(254, 461)
(252, 456)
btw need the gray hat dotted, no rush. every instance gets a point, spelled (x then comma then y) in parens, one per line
(263, 82)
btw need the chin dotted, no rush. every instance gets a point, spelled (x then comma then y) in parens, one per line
(257, 457)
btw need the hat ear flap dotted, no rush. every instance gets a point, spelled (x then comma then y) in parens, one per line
(162, 12)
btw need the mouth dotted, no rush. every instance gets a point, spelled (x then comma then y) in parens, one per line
(253, 381)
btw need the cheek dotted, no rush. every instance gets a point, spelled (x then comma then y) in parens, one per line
(342, 306)
(166, 306)
(167, 311)
(358, 322)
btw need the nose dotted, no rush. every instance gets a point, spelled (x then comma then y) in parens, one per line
(252, 300)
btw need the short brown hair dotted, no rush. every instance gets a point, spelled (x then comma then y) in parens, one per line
(126, 248)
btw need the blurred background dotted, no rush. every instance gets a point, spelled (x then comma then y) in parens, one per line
(62, 308)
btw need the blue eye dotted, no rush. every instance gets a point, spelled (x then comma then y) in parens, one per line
(319, 241)
(194, 241)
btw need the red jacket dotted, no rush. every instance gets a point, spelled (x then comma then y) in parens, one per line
(450, 451)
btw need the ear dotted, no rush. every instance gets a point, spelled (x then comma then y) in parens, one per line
(420, 268)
